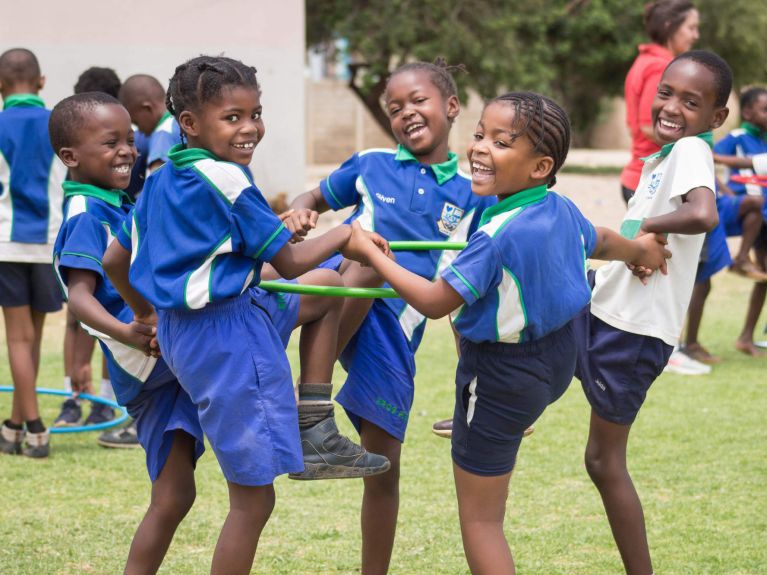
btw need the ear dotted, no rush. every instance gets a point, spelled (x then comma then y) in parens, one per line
(542, 168)
(453, 108)
(187, 121)
(720, 116)
(41, 83)
(69, 157)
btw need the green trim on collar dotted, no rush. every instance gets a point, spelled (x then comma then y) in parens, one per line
(182, 157)
(26, 100)
(707, 137)
(754, 130)
(165, 116)
(521, 198)
(114, 198)
(442, 172)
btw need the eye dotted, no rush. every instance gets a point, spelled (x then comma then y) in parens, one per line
(420, 100)
(393, 112)
(111, 143)
(256, 115)
(478, 136)
(691, 103)
(232, 118)
(501, 144)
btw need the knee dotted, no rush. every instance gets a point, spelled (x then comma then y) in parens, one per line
(599, 465)
(327, 277)
(173, 505)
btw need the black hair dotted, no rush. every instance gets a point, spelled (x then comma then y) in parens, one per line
(543, 122)
(202, 79)
(717, 66)
(439, 72)
(97, 79)
(749, 96)
(662, 18)
(70, 115)
(19, 65)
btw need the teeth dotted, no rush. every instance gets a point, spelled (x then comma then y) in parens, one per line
(479, 167)
(412, 128)
(667, 124)
(124, 169)
(245, 146)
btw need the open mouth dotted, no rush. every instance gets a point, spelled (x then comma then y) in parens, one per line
(246, 146)
(669, 127)
(480, 172)
(122, 169)
(415, 130)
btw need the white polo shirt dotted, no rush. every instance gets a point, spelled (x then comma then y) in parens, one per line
(658, 309)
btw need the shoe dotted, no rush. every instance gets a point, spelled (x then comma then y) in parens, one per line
(100, 413)
(125, 437)
(444, 428)
(70, 414)
(10, 440)
(38, 445)
(701, 354)
(330, 455)
(682, 364)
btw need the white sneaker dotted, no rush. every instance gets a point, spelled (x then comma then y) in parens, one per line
(682, 364)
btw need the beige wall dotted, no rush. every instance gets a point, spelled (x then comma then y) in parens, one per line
(154, 36)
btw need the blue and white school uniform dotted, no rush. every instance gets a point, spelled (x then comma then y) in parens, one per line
(143, 384)
(30, 205)
(164, 136)
(199, 235)
(523, 279)
(401, 199)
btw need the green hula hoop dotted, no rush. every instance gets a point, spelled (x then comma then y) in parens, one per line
(420, 246)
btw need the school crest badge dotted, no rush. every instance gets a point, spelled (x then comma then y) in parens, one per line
(450, 218)
(654, 184)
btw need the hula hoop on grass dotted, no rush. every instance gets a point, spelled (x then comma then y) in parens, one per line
(81, 428)
(367, 293)
(758, 180)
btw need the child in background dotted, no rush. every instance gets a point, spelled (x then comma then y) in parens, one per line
(513, 292)
(627, 336)
(415, 192)
(92, 134)
(744, 152)
(198, 238)
(30, 216)
(144, 98)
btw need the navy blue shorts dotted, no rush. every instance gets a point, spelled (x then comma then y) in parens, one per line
(501, 389)
(160, 409)
(380, 362)
(34, 285)
(616, 368)
(729, 218)
(715, 255)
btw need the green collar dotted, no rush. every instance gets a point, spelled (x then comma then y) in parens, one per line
(181, 156)
(114, 198)
(165, 116)
(707, 137)
(754, 130)
(443, 172)
(521, 198)
(27, 100)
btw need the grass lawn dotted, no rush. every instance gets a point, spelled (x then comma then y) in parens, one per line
(697, 457)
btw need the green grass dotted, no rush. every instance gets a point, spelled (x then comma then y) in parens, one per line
(697, 456)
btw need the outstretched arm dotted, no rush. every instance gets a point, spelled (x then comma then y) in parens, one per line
(304, 212)
(647, 251)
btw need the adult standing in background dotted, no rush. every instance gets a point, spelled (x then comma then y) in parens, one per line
(672, 26)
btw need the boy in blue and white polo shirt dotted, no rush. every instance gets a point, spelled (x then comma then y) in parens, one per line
(92, 134)
(30, 215)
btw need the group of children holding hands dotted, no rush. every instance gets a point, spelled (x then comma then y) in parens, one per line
(196, 349)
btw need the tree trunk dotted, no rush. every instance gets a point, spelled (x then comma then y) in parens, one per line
(372, 97)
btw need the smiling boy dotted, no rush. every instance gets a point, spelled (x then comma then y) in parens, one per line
(628, 334)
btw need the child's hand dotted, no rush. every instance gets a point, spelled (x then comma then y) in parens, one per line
(299, 222)
(360, 244)
(143, 337)
(653, 255)
(81, 380)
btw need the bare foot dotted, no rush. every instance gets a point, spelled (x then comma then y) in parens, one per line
(701, 354)
(749, 270)
(748, 348)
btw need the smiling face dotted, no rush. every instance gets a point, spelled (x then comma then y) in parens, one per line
(685, 103)
(420, 115)
(105, 152)
(502, 164)
(683, 39)
(756, 113)
(230, 126)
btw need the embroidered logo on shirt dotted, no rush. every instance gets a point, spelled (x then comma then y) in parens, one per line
(654, 184)
(386, 199)
(451, 216)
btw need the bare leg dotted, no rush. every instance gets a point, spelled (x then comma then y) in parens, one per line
(249, 510)
(173, 494)
(606, 465)
(380, 501)
(355, 309)
(752, 221)
(481, 510)
(745, 342)
(24, 329)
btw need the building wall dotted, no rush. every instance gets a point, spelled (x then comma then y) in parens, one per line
(153, 37)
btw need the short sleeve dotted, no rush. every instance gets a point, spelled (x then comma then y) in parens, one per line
(693, 167)
(587, 229)
(125, 230)
(760, 164)
(646, 96)
(256, 231)
(476, 270)
(85, 240)
(727, 146)
(160, 143)
(340, 188)
(483, 204)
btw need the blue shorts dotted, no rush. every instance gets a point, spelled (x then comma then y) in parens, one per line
(283, 310)
(715, 255)
(380, 363)
(230, 359)
(160, 409)
(616, 368)
(501, 389)
(728, 208)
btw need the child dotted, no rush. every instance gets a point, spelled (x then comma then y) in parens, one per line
(144, 98)
(744, 152)
(627, 336)
(199, 236)
(415, 192)
(92, 134)
(518, 284)
(30, 215)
